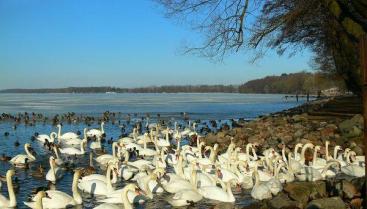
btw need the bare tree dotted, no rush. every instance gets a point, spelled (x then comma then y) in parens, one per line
(330, 28)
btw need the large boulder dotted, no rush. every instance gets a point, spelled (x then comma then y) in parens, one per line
(302, 192)
(352, 127)
(327, 203)
(282, 201)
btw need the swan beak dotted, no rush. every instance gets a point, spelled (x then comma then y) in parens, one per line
(139, 192)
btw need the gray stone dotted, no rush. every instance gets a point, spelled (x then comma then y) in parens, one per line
(327, 203)
(282, 201)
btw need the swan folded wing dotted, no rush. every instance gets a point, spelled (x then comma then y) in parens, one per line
(19, 159)
(4, 202)
(57, 199)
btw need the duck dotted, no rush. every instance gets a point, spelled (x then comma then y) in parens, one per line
(124, 198)
(47, 138)
(89, 169)
(11, 202)
(3, 157)
(66, 136)
(22, 160)
(39, 173)
(55, 173)
(96, 132)
(57, 199)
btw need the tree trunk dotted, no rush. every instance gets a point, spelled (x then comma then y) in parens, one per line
(363, 54)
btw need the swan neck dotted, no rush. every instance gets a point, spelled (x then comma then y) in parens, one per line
(29, 153)
(114, 149)
(314, 157)
(56, 152)
(59, 132)
(108, 178)
(327, 151)
(335, 153)
(102, 128)
(125, 199)
(76, 195)
(12, 198)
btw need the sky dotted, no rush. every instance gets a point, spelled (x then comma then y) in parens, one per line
(121, 43)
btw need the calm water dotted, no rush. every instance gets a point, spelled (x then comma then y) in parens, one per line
(198, 106)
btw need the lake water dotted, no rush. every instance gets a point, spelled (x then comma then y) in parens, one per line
(198, 106)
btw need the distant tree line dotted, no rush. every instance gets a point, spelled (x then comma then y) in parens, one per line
(302, 82)
(292, 83)
(152, 89)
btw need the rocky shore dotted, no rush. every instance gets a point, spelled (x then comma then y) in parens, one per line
(301, 125)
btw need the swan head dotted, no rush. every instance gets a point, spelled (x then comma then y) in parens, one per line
(327, 142)
(337, 147)
(317, 147)
(58, 125)
(299, 145)
(215, 146)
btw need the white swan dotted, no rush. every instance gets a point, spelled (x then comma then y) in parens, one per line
(50, 138)
(12, 201)
(96, 144)
(260, 191)
(353, 169)
(66, 136)
(223, 194)
(38, 203)
(96, 132)
(58, 199)
(124, 198)
(97, 187)
(73, 141)
(55, 173)
(73, 150)
(21, 159)
(104, 159)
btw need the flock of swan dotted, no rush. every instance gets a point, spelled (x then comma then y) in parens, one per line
(150, 164)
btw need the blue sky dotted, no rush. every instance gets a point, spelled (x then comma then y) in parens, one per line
(123, 43)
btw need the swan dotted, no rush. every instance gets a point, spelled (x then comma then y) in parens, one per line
(66, 136)
(100, 177)
(96, 132)
(124, 198)
(223, 194)
(186, 196)
(146, 151)
(50, 138)
(296, 165)
(55, 173)
(58, 199)
(73, 150)
(274, 184)
(73, 141)
(11, 202)
(260, 191)
(21, 160)
(308, 173)
(104, 159)
(176, 184)
(318, 163)
(38, 203)
(58, 160)
(96, 144)
(97, 187)
(353, 169)
(163, 142)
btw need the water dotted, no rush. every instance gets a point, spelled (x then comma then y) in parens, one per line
(198, 106)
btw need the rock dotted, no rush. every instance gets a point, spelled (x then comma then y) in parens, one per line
(298, 133)
(303, 191)
(327, 203)
(352, 127)
(349, 190)
(282, 201)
